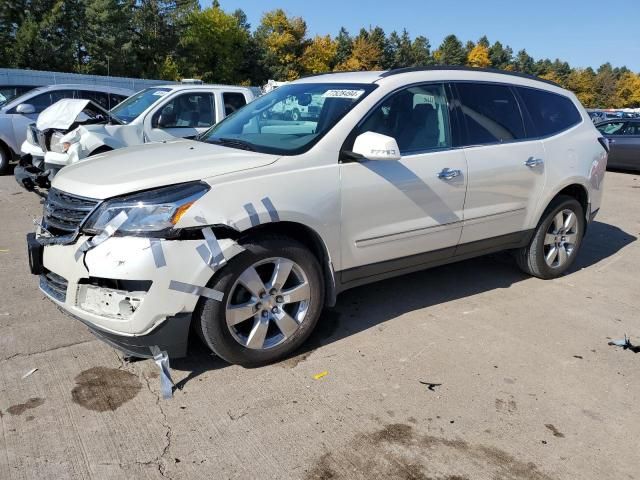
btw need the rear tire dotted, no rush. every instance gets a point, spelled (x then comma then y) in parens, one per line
(556, 241)
(249, 330)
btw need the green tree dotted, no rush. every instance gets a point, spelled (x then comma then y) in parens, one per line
(107, 38)
(500, 56)
(604, 85)
(284, 43)
(344, 45)
(421, 50)
(378, 37)
(524, 63)
(216, 43)
(451, 52)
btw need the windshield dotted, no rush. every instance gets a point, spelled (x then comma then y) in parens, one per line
(290, 119)
(132, 107)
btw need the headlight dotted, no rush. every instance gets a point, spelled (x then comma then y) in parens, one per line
(30, 138)
(55, 145)
(153, 211)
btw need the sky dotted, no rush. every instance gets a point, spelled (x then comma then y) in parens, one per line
(582, 32)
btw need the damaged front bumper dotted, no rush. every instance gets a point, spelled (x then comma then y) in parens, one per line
(120, 289)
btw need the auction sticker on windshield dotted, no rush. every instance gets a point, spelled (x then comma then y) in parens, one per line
(354, 94)
(160, 93)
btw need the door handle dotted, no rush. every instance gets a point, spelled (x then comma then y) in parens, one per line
(448, 174)
(611, 140)
(533, 162)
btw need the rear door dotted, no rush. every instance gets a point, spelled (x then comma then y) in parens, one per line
(506, 167)
(232, 102)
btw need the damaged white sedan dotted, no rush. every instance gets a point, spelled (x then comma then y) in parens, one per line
(244, 235)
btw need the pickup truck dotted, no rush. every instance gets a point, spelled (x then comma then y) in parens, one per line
(72, 130)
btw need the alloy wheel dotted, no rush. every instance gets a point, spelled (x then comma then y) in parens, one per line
(561, 238)
(268, 303)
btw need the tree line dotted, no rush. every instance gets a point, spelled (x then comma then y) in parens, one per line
(173, 39)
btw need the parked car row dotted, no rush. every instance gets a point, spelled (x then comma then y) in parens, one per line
(17, 114)
(245, 232)
(72, 130)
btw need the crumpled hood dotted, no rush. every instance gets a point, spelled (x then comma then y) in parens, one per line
(154, 165)
(62, 114)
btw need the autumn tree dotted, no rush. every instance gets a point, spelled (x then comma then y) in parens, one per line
(320, 54)
(604, 86)
(628, 91)
(284, 42)
(581, 82)
(365, 55)
(479, 57)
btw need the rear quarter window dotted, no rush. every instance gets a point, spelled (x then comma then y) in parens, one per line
(551, 113)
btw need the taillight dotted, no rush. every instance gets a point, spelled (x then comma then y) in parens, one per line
(605, 143)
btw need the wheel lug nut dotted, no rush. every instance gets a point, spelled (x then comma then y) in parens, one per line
(258, 306)
(263, 294)
(274, 310)
(265, 313)
(273, 291)
(279, 299)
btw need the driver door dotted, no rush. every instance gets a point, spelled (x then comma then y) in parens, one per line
(182, 116)
(398, 215)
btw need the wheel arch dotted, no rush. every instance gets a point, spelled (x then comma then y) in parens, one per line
(574, 189)
(296, 231)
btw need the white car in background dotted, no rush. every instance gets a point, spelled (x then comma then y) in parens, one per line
(18, 113)
(67, 133)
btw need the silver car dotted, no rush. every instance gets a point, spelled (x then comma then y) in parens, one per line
(18, 114)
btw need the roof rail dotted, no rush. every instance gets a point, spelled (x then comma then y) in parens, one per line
(397, 71)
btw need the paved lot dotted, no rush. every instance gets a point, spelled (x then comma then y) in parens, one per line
(530, 389)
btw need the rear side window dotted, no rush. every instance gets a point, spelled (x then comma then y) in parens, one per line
(491, 113)
(551, 113)
(100, 98)
(233, 101)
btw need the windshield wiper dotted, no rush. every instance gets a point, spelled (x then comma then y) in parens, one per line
(234, 143)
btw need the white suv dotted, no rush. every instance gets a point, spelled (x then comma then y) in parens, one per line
(246, 234)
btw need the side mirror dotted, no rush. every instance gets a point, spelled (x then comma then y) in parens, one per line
(25, 109)
(375, 146)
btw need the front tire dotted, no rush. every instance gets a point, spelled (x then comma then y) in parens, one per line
(5, 158)
(273, 297)
(556, 241)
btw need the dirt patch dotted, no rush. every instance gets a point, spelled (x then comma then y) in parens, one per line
(508, 405)
(327, 326)
(20, 408)
(398, 451)
(101, 388)
(554, 430)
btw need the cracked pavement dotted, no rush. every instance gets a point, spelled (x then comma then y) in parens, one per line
(529, 387)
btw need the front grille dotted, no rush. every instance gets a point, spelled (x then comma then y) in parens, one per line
(63, 213)
(54, 286)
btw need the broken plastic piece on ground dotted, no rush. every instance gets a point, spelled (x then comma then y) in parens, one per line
(318, 376)
(430, 386)
(162, 360)
(626, 344)
(30, 372)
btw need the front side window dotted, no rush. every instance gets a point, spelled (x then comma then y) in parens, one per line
(632, 128)
(281, 121)
(190, 110)
(133, 106)
(44, 100)
(551, 113)
(611, 128)
(417, 117)
(491, 113)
